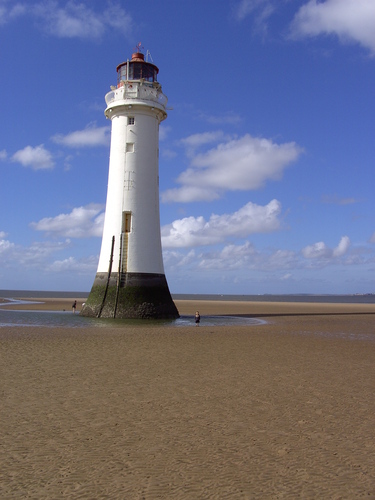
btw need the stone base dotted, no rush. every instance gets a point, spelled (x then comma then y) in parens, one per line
(138, 296)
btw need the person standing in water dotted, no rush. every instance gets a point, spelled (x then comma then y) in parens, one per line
(197, 318)
(74, 306)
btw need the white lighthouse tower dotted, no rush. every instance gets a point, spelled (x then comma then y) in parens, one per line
(130, 280)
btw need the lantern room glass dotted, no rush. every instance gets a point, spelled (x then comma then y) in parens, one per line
(137, 71)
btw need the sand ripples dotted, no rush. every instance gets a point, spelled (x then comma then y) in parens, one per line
(185, 414)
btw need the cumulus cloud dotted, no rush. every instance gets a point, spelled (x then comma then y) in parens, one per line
(77, 20)
(5, 245)
(240, 164)
(195, 141)
(34, 256)
(196, 231)
(342, 247)
(242, 259)
(91, 136)
(38, 256)
(237, 258)
(231, 257)
(81, 222)
(321, 251)
(246, 257)
(37, 158)
(79, 266)
(350, 20)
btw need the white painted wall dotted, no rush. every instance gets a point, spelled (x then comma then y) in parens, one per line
(133, 182)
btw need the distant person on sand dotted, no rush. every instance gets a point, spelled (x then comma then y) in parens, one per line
(197, 318)
(74, 306)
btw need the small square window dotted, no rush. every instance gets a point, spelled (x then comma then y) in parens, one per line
(129, 148)
(130, 120)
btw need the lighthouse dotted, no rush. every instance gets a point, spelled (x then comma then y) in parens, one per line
(130, 281)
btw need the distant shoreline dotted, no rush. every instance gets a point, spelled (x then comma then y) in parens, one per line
(240, 308)
(366, 298)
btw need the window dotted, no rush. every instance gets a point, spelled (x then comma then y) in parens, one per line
(130, 120)
(129, 148)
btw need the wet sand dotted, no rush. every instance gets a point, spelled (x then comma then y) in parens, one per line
(279, 410)
(210, 307)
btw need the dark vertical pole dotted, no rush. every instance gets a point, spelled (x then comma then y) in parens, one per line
(108, 278)
(118, 275)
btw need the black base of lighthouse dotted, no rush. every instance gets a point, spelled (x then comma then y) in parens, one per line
(130, 296)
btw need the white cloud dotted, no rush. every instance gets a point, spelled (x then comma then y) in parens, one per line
(91, 136)
(187, 194)
(246, 257)
(350, 20)
(168, 153)
(335, 200)
(35, 256)
(116, 17)
(235, 165)
(243, 260)
(195, 141)
(317, 251)
(5, 245)
(3, 154)
(37, 158)
(247, 7)
(282, 259)
(7, 14)
(179, 261)
(82, 266)
(238, 258)
(321, 251)
(231, 257)
(342, 247)
(196, 231)
(260, 10)
(229, 118)
(286, 277)
(77, 20)
(164, 130)
(81, 222)
(37, 253)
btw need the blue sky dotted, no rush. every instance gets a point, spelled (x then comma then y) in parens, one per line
(266, 157)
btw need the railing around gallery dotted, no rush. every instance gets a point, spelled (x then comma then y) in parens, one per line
(137, 90)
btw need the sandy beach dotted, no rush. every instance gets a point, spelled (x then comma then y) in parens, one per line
(283, 409)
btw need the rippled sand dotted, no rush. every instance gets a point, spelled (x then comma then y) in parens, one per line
(280, 410)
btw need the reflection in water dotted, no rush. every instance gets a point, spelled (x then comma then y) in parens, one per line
(68, 320)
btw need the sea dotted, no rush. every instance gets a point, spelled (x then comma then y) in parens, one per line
(32, 318)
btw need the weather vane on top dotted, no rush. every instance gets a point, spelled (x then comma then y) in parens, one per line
(138, 47)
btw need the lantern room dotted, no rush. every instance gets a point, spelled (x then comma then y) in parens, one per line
(137, 69)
